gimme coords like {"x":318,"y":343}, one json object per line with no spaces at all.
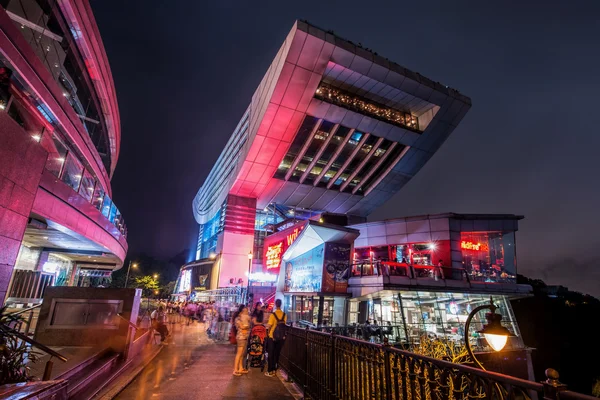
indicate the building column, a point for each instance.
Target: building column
{"x":73,"y":275}
{"x":42,"y":260}
{"x":22,"y":161}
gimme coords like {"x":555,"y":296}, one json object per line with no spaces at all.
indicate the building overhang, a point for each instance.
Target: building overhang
{"x":309,"y":58}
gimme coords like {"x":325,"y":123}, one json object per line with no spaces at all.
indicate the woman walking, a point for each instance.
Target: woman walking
{"x":242,"y":325}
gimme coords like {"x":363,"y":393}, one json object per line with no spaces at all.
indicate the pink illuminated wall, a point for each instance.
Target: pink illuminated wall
{"x":21,"y":163}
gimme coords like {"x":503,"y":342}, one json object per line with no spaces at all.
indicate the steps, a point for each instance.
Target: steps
{"x":87,"y":378}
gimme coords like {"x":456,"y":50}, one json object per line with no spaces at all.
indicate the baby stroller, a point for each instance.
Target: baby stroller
{"x":255,"y":356}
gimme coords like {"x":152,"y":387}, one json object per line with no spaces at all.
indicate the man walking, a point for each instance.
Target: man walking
{"x":277,"y":332}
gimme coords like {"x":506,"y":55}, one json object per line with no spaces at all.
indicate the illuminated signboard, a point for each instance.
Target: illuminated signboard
{"x":186,"y":281}
{"x":262,"y":277}
{"x":275,"y":251}
{"x":291,"y":238}
{"x":474,"y":246}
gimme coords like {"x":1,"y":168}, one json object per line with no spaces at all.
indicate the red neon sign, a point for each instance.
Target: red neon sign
{"x":474,"y":246}
{"x":275,"y":251}
{"x":273,"y":255}
{"x":291,"y":238}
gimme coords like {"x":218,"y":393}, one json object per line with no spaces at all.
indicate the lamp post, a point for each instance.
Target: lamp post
{"x":129,"y":269}
{"x":494,"y":333}
{"x":248,"y":283}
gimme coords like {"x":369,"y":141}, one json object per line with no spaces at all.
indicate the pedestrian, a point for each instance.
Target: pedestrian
{"x":159,"y":318}
{"x":242,"y":325}
{"x":258,"y":315}
{"x":439,"y":270}
{"x":277,"y":333}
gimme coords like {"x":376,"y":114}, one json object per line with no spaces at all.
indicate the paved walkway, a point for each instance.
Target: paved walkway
{"x":192,"y":366}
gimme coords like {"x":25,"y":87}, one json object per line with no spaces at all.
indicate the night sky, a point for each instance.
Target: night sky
{"x":185,"y":72}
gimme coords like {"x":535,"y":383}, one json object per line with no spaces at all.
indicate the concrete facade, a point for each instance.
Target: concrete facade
{"x":60,"y":135}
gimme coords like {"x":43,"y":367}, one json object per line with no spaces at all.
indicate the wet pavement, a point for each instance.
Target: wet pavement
{"x":192,"y":366}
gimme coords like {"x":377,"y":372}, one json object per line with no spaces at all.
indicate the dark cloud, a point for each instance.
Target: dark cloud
{"x":185,"y":71}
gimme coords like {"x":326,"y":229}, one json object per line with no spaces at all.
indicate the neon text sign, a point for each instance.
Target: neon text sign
{"x":291,"y":238}
{"x":474,"y":246}
{"x":273,"y":256}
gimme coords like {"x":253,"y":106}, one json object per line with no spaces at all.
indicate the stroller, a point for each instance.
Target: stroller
{"x":255,"y":356}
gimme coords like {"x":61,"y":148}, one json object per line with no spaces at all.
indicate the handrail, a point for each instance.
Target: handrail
{"x":397,"y":373}
{"x":32,"y":342}
{"x":126,"y":320}
{"x":14,"y":313}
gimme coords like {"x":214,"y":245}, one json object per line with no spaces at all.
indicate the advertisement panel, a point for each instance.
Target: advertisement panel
{"x":336,"y":268}
{"x":276,"y":245}
{"x":305,"y":272}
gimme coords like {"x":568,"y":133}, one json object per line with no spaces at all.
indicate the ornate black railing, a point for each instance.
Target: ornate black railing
{"x":327,"y":366}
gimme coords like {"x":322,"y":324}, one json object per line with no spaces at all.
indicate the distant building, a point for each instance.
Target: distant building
{"x":60,"y":135}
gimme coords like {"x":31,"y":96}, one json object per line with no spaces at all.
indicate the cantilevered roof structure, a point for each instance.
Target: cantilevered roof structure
{"x":332,"y":127}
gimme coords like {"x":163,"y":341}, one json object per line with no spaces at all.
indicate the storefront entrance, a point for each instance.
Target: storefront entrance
{"x":316,"y":310}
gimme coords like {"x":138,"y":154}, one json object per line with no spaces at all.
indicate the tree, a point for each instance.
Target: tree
{"x":147,"y":283}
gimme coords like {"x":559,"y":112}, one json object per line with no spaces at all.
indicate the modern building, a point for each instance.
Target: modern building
{"x":60,"y":137}
{"x":332,"y":127}
{"x":332,"y":132}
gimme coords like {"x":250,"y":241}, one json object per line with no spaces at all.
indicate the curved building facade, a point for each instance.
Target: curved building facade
{"x":60,"y":135}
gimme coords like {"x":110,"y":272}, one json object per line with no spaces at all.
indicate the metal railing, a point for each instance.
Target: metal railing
{"x":28,"y":286}
{"x":414,"y":271}
{"x":327,"y":366}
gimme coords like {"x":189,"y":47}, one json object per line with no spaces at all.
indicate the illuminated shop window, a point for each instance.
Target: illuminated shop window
{"x":368,"y":107}
{"x":489,"y":256}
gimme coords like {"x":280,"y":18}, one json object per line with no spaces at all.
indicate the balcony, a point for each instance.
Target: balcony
{"x":369,"y":277}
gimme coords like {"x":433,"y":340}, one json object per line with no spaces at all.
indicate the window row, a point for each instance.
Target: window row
{"x":23,"y":106}
{"x":330,"y":155}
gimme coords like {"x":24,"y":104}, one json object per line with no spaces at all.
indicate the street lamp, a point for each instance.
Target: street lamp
{"x":248,"y":283}
{"x":494,"y":333}
{"x":128,"y":269}
{"x":155,"y":276}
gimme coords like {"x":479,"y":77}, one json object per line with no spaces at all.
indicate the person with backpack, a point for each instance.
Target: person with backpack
{"x":277,"y":332}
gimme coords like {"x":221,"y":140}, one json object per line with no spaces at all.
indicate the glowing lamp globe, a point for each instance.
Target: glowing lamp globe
{"x":496,"y":342}
{"x":495,"y":334}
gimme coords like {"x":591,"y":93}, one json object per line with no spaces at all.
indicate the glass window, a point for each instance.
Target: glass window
{"x":342,"y":157}
{"x":72,"y":172}
{"x":301,"y":137}
{"x":86,"y":189}
{"x":489,"y":256}
{"x":113,"y":213}
{"x":62,"y":59}
{"x":370,"y":164}
{"x":98,"y":197}
{"x":106,"y":205}
{"x":57,"y":153}
{"x":389,"y":160}
{"x":358,"y":158}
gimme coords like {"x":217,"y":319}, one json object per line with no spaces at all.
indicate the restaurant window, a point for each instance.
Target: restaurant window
{"x":72,"y":172}
{"x":86,"y":189}
{"x":415,"y":317}
{"x":489,"y":256}
{"x":113,"y":213}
